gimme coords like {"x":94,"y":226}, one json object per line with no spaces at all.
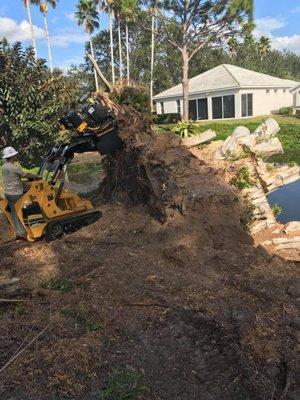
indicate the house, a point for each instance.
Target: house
{"x":296,"y":97}
{"x":228,"y":91}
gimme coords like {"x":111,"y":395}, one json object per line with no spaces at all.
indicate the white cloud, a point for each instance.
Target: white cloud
{"x":296,"y":10}
{"x":14,"y":31}
{"x":64,"y":37}
{"x":268,"y":25}
{"x":291,"y":43}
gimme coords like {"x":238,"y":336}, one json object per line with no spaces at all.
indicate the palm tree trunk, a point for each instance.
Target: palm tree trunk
{"x":49,"y":43}
{"x":127,"y":53}
{"x":111,"y":46}
{"x":120,"y":50}
{"x":27,"y":4}
{"x":152,"y":61}
{"x":95,"y":73}
{"x":185,"y":83}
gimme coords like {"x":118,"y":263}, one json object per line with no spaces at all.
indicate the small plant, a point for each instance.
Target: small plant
{"x":83,"y":317}
{"x":123,"y":385}
{"x":242,"y":180}
{"x":277,"y":209}
{"x":62,"y":284}
{"x":185,"y":129}
{"x":285,"y":111}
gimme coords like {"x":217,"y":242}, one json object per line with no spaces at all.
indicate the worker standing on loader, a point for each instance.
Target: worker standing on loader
{"x":13,"y":187}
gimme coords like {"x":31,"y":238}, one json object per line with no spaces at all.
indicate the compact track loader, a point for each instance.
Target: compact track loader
{"x":47,"y":209}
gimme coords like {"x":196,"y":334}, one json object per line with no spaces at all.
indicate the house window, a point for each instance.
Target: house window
{"x":162,"y":108}
{"x":178,"y":107}
{"x":223,"y":107}
{"x":284,"y":90}
{"x":247,"y":105}
{"x":193,"y":110}
{"x":268,"y":91}
{"x":202,"y":108}
{"x":276,"y":91}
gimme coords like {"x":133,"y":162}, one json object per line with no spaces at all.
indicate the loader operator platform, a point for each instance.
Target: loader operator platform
{"x":13,"y":187}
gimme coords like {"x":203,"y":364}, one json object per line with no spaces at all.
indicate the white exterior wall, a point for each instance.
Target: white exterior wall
{"x":296,"y":98}
{"x":266,"y":103}
{"x":263,"y":103}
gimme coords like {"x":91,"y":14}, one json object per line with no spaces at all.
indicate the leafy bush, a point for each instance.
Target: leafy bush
{"x":185,"y":129}
{"x":285,"y":111}
{"x":242,"y":179}
{"x":31,"y":102}
{"x":297,"y":114}
{"x":167,"y":118}
{"x":136,"y":96}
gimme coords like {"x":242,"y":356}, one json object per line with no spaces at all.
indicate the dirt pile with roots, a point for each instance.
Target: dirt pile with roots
{"x":167,"y":287}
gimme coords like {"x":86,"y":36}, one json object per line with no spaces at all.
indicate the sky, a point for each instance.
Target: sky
{"x":276,"y":19}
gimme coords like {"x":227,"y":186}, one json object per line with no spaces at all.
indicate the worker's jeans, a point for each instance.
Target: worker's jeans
{"x":19,"y":228}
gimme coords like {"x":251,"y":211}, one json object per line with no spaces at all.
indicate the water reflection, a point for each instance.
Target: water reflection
{"x":287,"y":197}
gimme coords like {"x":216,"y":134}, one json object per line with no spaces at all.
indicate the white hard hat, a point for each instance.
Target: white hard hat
{"x":9,"y":152}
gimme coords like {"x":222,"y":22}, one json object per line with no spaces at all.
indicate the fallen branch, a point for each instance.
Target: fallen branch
{"x":99,"y":72}
{"x":13,"y":300}
{"x":24,"y":348}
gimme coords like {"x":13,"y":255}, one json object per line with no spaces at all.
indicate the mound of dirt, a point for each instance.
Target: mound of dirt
{"x":167,"y":285}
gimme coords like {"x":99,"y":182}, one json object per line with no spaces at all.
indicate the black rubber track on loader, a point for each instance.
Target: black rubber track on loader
{"x":55,"y":229}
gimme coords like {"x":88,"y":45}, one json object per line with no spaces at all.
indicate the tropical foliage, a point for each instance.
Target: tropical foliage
{"x":31,"y":101}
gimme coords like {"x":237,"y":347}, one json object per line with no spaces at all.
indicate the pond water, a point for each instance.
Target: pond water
{"x":287,"y":197}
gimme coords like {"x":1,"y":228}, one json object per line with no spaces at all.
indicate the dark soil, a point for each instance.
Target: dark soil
{"x":190,"y":303}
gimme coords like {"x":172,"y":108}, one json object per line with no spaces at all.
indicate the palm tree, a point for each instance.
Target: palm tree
{"x":116,"y":7}
{"x":153,"y":20}
{"x":232,"y":46}
{"x":27,"y":5}
{"x":87,"y":16}
{"x":128,"y":9}
{"x":44,"y":9}
{"x":264,"y":46}
{"x":109,"y":7}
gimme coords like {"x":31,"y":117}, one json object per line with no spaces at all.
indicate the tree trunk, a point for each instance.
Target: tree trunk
{"x":95,"y":73}
{"x":185,"y":84}
{"x":111,"y":46}
{"x":120,"y":50}
{"x":31,"y":28}
{"x":49,"y":43}
{"x":127,"y":54}
{"x":152,"y":62}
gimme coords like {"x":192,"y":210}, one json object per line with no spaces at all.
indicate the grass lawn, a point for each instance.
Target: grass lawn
{"x":289,"y":133}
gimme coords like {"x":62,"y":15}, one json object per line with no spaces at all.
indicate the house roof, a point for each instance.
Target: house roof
{"x":294,"y":89}
{"x":227,"y":76}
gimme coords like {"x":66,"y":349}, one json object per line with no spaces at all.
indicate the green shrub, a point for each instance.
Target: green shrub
{"x":242,"y":179}
{"x":285,"y":111}
{"x":167,"y":118}
{"x":185,"y":129}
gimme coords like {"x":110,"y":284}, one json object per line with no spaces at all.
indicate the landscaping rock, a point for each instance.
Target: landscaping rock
{"x":291,"y":227}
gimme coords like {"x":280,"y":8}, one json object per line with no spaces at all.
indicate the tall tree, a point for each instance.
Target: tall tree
{"x":116,"y":6}
{"x":87,"y":16}
{"x":27,"y":5}
{"x":43,"y":4}
{"x":153,"y":28}
{"x":190,"y":25}
{"x":110,"y":11}
{"x":129,"y":12}
{"x":264,"y":46}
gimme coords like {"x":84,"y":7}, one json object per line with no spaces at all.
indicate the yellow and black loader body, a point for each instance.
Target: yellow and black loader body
{"x":47,"y":209}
